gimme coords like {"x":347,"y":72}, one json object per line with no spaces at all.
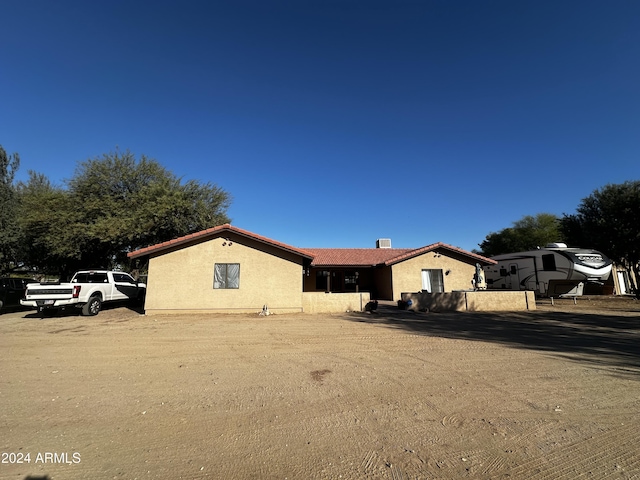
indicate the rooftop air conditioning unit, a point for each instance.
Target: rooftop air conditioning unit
{"x":383,"y":243}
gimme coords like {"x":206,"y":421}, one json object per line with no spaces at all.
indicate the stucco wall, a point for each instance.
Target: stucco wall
{"x":182,"y":280}
{"x":407,"y":275}
{"x":320,"y":302}
{"x":500,"y":301}
{"x":480,"y":301}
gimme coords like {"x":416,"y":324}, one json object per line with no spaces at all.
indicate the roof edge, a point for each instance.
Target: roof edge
{"x":209,"y":232}
{"x":435,"y":246}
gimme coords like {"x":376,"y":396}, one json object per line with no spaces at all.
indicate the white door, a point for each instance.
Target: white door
{"x":426,"y":281}
{"x":623,"y":282}
{"x":432,"y":281}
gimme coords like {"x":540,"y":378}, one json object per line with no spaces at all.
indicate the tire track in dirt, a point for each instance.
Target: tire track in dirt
{"x":488,"y":463}
{"x":317,"y":418}
{"x":236,"y":397}
{"x":471,"y":459}
{"x":613,"y":452}
{"x":369,"y":461}
{"x":494,"y":465}
{"x":396,"y":473}
{"x":322,"y":417}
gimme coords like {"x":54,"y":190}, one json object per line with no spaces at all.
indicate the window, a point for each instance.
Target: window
{"x":432,"y":281}
{"x":549,"y":263}
{"x":122,"y":278}
{"x":91,"y":277}
{"x":351,"y":281}
{"x":226,"y":275}
{"x":321,"y":280}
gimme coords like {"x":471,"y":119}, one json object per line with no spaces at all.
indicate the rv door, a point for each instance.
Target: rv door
{"x":513,"y":277}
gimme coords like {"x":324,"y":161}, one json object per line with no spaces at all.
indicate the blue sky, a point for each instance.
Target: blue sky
{"x":334,"y":123}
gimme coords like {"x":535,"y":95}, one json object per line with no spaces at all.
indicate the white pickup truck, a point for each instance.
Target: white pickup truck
{"x":88,"y":290}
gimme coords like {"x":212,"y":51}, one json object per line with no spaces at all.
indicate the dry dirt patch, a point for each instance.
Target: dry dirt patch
{"x":548,"y":394}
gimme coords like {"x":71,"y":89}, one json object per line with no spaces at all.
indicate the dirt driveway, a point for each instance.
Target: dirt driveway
{"x":550,"y":394}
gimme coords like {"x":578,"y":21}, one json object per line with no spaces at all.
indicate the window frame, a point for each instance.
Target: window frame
{"x":122,"y":277}
{"x":549,"y":263}
{"x":222,"y":279}
{"x":439,"y":280}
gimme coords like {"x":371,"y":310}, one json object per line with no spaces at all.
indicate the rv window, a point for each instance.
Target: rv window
{"x":549,"y":262}
{"x":514,"y":270}
{"x":503,"y":272}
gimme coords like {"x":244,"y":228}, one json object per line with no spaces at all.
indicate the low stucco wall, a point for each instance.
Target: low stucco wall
{"x":195,"y":311}
{"x":500,"y":301}
{"x":321,"y":302}
{"x":476,"y":301}
{"x":312,"y":302}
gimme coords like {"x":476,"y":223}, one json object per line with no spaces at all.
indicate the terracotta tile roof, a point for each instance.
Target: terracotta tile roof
{"x":361,"y":257}
{"x":214,"y":231}
{"x":436,"y":246}
{"x":321,"y":257}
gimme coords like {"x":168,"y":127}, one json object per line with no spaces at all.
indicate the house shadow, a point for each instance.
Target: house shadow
{"x":599,"y":339}
{"x":14,"y":309}
{"x":77,"y":312}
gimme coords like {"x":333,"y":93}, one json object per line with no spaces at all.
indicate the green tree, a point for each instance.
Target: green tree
{"x":526,"y":234}
{"x":112,"y":205}
{"x":9,"y":232}
{"x":609,"y":220}
{"x":45,"y":220}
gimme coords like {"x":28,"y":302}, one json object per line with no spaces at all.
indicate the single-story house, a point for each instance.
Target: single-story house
{"x":388,"y":272}
{"x":227,"y":269}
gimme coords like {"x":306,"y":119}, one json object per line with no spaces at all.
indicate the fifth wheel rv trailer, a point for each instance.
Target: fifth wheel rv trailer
{"x":555,"y":270}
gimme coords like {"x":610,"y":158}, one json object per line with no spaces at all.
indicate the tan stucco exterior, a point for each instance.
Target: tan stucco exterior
{"x":181,"y":279}
{"x":389,"y":281}
{"x":320,"y":302}
{"x":457,"y":272}
{"x":287,"y":279}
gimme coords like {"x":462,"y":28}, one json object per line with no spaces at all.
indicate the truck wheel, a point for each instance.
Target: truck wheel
{"x":92,"y":307}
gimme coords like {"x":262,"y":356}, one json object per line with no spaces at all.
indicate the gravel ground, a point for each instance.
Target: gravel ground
{"x":548,"y":394}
